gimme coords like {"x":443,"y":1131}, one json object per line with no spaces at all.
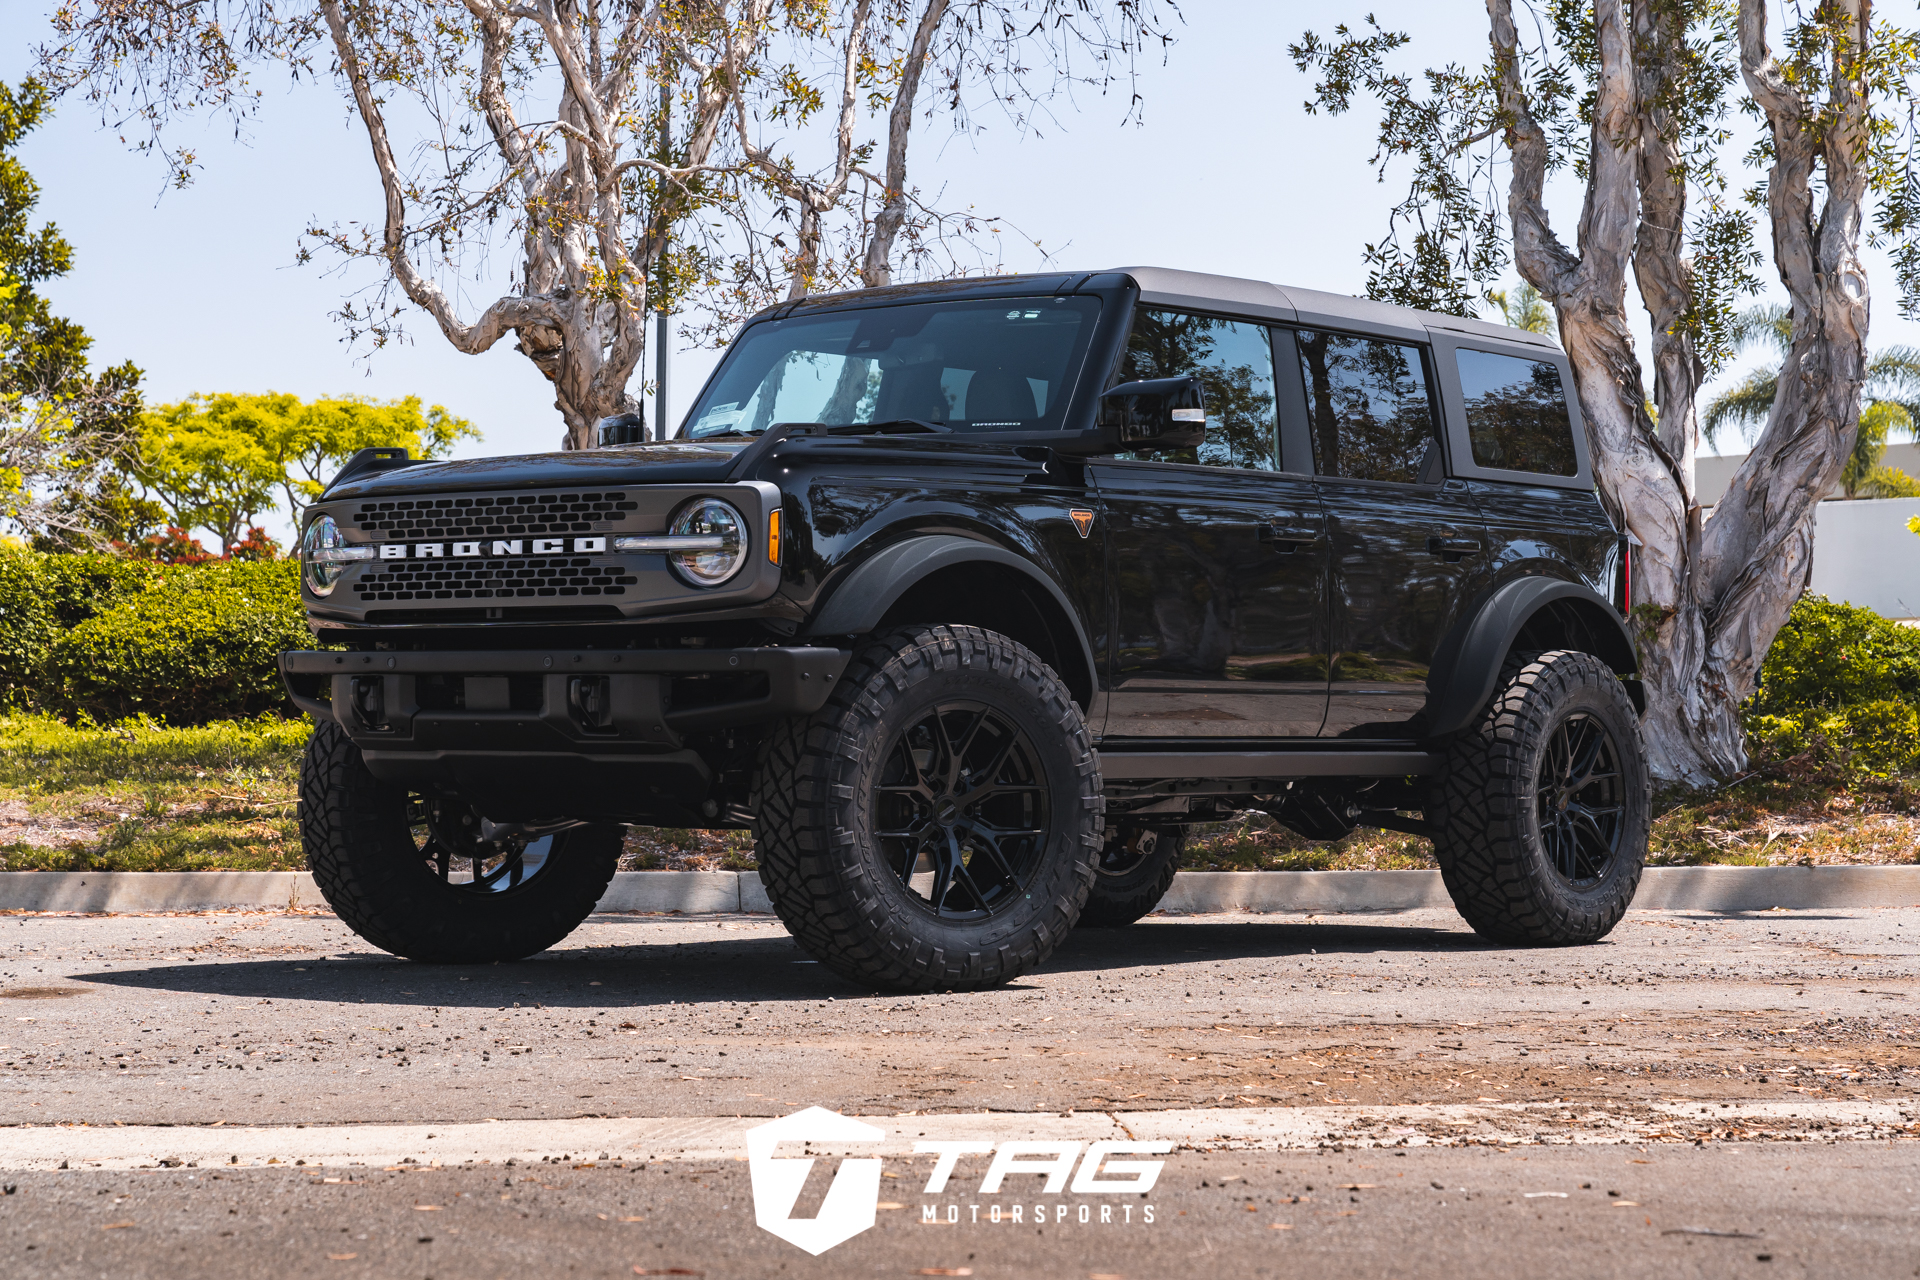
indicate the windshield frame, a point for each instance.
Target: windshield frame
{"x":1090,"y":347}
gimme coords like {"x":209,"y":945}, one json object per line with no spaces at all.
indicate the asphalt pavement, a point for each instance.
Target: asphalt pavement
{"x":1365,"y":1095}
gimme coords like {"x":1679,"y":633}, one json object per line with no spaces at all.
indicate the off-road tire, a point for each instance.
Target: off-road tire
{"x":1484,"y":808}
{"x":1118,"y":899}
{"x":814,"y":804}
{"x":364,"y":860}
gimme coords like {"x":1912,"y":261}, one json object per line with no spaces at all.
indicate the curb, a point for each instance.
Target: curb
{"x":1193,"y":892}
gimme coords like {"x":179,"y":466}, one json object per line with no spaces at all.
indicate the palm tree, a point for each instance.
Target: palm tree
{"x":1890,"y":402}
{"x":1524,"y":308}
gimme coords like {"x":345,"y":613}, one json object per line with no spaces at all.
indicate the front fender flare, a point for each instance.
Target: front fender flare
{"x":870,"y":588}
{"x":1468,"y":664}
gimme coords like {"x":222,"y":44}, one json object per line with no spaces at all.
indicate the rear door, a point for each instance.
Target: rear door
{"x":1407,"y":547}
{"x":1217,"y":561}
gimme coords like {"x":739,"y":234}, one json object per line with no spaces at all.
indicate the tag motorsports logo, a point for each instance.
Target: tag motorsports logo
{"x":853,"y":1199}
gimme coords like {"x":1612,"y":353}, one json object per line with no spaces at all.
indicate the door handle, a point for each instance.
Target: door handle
{"x":1453,"y":547}
{"x":1285,"y":539}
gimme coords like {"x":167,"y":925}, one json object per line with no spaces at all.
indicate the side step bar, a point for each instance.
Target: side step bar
{"x":1144,"y":766}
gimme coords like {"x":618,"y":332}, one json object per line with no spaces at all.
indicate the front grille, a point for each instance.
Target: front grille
{"x":504,"y":515}
{"x":492,"y":579}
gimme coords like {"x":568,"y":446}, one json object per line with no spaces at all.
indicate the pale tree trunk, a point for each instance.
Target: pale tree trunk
{"x":1659,"y":257}
{"x":580,"y":315}
{"x":1709,"y":597}
{"x":1757,"y":550}
{"x":877,"y":267}
{"x":1588,"y":292}
{"x":1672,"y":630}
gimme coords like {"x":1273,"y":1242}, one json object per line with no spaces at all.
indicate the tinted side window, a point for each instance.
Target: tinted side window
{"x":1235,"y":361}
{"x":1367,"y":406}
{"x":1517,"y":414}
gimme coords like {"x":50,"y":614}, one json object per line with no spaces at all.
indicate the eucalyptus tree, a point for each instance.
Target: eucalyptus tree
{"x":1632,"y":100}
{"x":1012,"y":56}
{"x":544,"y":125}
{"x":1889,"y":403}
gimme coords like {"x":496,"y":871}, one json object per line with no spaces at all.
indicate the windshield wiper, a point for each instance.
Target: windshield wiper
{"x":891,"y":427}
{"x":728,"y":435}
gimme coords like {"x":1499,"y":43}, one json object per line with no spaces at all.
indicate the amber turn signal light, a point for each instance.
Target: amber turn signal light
{"x":773,"y":535}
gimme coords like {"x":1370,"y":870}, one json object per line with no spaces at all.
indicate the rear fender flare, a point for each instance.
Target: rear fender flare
{"x":857,"y":605}
{"x":1468,"y":664}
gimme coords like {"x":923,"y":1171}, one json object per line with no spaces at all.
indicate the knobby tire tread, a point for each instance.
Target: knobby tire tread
{"x":354,"y":830}
{"x":1481,"y":827}
{"x":819,"y":886}
{"x":1112,"y":904}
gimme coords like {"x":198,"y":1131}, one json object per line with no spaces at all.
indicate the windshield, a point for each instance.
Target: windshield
{"x":1001,"y":365}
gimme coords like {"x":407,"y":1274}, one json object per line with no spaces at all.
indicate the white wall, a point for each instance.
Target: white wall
{"x":1863,"y":554}
{"x":1714,"y":472}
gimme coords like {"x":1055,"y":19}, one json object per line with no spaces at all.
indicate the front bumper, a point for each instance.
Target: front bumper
{"x":540,"y":732}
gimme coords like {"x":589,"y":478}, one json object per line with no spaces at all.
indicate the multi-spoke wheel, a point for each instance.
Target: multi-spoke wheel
{"x":1579,"y":805}
{"x":472,"y":855}
{"x":1540,"y":816}
{"x":936,"y":825}
{"x":432,"y":879}
{"x":961,"y":810}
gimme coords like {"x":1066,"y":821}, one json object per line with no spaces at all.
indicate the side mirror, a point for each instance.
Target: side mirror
{"x":621,"y":428}
{"x":1164,"y":413}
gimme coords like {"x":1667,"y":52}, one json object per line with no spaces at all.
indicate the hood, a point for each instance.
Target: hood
{"x":669,"y":462}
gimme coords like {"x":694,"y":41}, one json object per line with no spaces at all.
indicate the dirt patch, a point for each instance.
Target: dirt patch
{"x":46,"y":831}
{"x":1791,"y":812}
{"x":683,"y":849}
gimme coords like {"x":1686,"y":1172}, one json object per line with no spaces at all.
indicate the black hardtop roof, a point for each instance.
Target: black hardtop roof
{"x":1194,"y":290}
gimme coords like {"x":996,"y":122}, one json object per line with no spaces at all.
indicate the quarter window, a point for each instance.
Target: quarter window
{"x":1233,"y":359}
{"x":1367,"y":406}
{"x":1517,"y":416}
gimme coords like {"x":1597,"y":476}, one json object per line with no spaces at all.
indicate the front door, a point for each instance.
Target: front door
{"x":1408,"y":548}
{"x":1217,"y":561}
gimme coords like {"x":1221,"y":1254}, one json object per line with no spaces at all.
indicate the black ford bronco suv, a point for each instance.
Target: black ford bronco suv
{"x":969,"y":598}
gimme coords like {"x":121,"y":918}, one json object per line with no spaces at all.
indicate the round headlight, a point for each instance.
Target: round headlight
{"x":723,"y":546}
{"x":319,"y":550}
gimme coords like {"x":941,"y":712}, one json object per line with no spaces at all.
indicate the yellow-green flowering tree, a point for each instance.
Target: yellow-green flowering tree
{"x":218,"y":461}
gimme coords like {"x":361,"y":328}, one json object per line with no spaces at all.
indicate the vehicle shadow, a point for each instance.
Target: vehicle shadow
{"x":646,"y":974}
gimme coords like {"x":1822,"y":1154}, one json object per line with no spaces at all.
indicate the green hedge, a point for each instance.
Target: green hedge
{"x":42,"y":597}
{"x":104,"y":638}
{"x":1843,"y":683}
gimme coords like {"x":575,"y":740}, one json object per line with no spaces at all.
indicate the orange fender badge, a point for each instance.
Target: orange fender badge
{"x":1082,"y":520}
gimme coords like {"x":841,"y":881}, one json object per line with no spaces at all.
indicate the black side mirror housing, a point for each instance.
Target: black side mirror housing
{"x":1147,"y":417}
{"x":621,"y":428}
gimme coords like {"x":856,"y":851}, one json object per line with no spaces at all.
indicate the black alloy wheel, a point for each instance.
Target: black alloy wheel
{"x":448,"y":835}
{"x":412,"y":875}
{"x":961,"y":810}
{"x":1579,"y":800}
{"x":1137,"y":866}
{"x":1541,"y":810}
{"x":936,"y":825}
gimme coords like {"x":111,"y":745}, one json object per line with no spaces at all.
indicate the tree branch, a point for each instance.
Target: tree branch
{"x":877,"y":269}
{"x":504,"y":315}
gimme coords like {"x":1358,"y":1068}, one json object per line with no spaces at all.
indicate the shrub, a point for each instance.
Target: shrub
{"x":42,"y":596}
{"x":199,"y":644}
{"x":1836,"y":655}
{"x":1841,"y":684}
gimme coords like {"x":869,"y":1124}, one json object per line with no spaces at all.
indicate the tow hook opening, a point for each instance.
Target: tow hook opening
{"x":370,"y":702}
{"x":591,"y":700}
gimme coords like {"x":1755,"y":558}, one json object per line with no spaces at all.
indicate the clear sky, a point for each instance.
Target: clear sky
{"x":1226,"y":174}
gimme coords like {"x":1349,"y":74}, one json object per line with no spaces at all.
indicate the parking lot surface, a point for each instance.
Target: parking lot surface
{"x":1366,"y":1095}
